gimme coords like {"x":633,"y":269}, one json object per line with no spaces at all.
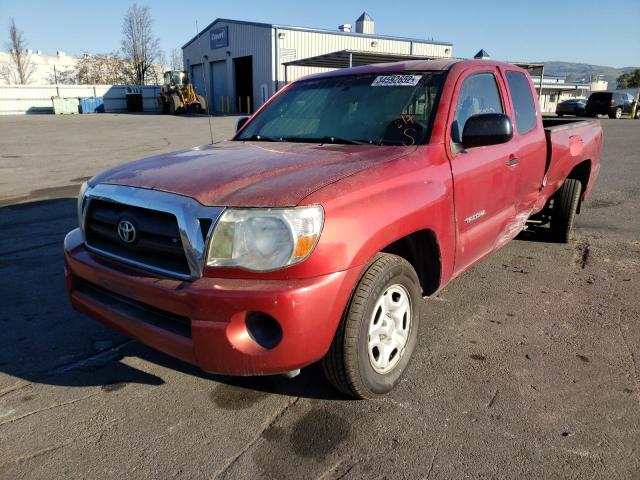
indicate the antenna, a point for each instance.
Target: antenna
{"x":204,"y":83}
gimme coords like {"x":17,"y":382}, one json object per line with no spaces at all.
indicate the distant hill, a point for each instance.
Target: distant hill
{"x":584,"y":71}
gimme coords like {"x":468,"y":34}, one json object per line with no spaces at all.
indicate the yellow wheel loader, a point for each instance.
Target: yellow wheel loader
{"x":177,"y":95}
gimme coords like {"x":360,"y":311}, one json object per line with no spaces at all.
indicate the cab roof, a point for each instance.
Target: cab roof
{"x":409,"y":66}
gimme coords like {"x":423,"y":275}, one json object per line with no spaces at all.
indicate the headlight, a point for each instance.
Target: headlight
{"x":81,"y":195}
{"x":264,"y":239}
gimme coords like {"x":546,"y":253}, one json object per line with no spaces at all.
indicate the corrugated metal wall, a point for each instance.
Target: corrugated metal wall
{"x":244,"y":40}
{"x":298,"y":44}
{"x":259,"y":41}
{"x":17,"y":99}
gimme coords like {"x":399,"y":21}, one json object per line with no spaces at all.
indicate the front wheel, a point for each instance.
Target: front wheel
{"x":379,"y":330}
{"x":617,"y":114}
{"x":175,"y":105}
{"x":565,"y":205}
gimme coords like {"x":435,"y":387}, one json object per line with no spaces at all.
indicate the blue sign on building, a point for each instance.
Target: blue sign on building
{"x":219,"y":37}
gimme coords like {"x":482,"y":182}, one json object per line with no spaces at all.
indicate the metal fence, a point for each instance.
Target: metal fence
{"x":20,"y":99}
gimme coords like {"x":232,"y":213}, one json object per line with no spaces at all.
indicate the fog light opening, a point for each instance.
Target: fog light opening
{"x":263,"y":329}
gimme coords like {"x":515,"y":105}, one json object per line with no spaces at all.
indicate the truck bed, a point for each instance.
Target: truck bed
{"x":557,"y":123}
{"x":570,"y":142}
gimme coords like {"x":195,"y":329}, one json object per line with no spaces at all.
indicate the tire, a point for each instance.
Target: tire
{"x":175,"y":105}
{"x":617,"y":113}
{"x":565,"y":205}
{"x":349,"y":363}
{"x":560,"y":114}
{"x":203,"y":103}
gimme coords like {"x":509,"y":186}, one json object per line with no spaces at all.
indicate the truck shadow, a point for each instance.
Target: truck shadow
{"x":45,"y":341}
{"x":535,"y":234}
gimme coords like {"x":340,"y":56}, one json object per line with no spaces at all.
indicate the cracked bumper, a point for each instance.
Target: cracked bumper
{"x":212,"y":312}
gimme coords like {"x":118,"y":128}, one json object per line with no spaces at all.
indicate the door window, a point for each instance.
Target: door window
{"x":523,"y":103}
{"x":479,"y":94}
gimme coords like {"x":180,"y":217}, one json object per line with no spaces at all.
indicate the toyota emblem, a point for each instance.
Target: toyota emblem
{"x":127,"y":231}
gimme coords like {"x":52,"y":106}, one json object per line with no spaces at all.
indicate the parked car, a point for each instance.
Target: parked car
{"x":314,"y":233}
{"x":613,"y":104}
{"x":573,"y":106}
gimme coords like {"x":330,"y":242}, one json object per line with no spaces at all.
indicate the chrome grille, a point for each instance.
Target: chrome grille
{"x":157,"y":241}
{"x":170,"y":231}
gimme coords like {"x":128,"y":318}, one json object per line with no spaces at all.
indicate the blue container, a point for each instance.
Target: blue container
{"x":91,"y":105}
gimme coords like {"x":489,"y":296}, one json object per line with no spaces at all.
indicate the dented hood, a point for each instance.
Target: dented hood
{"x":250,"y":174}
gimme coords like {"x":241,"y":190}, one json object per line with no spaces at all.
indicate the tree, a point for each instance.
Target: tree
{"x":629,"y":80}
{"x":102,"y":69}
{"x":176,"y":59}
{"x":140,"y":47}
{"x":63,"y":76}
{"x":19,"y":68}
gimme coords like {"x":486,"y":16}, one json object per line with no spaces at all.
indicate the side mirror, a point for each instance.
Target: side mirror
{"x":240,"y":123}
{"x":487,"y":129}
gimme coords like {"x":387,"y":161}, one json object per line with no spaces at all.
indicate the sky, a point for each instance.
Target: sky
{"x":586,"y":31}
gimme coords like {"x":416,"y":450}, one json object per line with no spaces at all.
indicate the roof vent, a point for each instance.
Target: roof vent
{"x":364,"y":24}
{"x":482,"y":55}
{"x":345,"y":27}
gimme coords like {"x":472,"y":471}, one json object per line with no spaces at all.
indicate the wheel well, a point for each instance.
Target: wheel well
{"x":581,"y":173}
{"x":421,"y":250}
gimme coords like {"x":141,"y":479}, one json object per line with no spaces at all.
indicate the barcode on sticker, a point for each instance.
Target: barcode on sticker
{"x":396,"y":81}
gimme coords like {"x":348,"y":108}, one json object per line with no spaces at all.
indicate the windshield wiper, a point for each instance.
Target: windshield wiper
{"x":346,"y":141}
{"x":262,"y":138}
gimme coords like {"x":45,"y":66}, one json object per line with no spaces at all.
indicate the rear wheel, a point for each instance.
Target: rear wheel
{"x":203,"y":103}
{"x":565,"y":205}
{"x":378,"y":333}
{"x":617,"y":113}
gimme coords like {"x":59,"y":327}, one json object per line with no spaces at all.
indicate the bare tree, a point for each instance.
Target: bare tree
{"x":19,"y":67}
{"x":139,"y":46}
{"x":176,"y":59}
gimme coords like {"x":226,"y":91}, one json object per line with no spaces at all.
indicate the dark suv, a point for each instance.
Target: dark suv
{"x":613,"y":104}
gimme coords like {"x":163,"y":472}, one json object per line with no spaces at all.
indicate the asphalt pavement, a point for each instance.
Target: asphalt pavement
{"x":528,"y":365}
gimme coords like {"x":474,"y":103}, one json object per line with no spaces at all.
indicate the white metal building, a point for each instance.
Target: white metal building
{"x":238,"y":65}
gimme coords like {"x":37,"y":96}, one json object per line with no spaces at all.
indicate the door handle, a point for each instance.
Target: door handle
{"x":513,"y":161}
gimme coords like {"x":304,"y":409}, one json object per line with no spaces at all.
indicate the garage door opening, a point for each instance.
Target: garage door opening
{"x":244,"y":83}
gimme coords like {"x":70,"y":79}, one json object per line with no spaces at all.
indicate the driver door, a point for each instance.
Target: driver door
{"x":483,"y":178}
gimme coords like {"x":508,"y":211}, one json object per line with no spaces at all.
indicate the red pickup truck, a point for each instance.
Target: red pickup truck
{"x":314,"y":233}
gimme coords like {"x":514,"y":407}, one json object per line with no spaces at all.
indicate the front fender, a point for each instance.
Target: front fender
{"x":368,"y":211}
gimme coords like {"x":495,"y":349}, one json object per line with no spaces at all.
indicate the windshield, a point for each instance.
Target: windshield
{"x":380,"y":109}
{"x":174,"y":77}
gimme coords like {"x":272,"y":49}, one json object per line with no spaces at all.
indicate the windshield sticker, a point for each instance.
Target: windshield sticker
{"x":396,"y":81}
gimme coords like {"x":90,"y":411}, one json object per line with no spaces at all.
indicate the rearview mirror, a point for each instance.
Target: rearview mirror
{"x":487,"y":129}
{"x":240,"y":123}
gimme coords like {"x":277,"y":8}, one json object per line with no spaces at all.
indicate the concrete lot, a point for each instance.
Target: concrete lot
{"x":528,"y":365}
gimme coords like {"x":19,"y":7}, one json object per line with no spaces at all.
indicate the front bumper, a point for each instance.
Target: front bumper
{"x":213,"y":312}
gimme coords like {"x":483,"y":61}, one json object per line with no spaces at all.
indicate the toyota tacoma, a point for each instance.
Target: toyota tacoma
{"x":315,"y":232}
